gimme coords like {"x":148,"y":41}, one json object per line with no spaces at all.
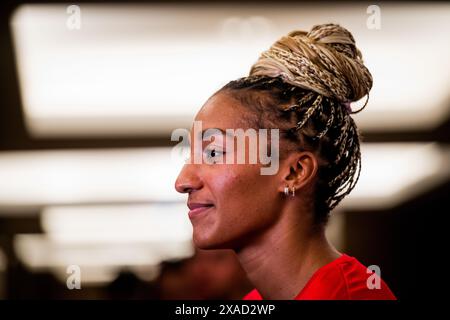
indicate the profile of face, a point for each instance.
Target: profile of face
{"x":238,"y":202}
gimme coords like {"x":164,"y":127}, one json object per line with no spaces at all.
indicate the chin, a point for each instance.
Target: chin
{"x":205,"y":243}
{"x":211,"y":243}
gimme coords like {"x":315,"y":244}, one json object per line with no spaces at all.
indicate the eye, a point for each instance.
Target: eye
{"x":212,"y":154}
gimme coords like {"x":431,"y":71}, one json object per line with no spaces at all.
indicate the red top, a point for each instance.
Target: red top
{"x":342,"y":279}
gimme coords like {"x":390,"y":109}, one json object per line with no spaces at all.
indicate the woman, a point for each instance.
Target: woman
{"x":303,"y":86}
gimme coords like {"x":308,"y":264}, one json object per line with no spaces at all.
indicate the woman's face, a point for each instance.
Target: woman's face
{"x":240,"y":201}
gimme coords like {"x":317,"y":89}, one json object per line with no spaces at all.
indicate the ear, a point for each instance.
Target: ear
{"x":299,"y":170}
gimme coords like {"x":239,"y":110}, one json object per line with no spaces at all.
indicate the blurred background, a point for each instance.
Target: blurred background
{"x":90,"y":93}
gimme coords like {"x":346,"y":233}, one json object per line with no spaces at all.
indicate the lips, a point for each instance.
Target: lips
{"x":197,"y":208}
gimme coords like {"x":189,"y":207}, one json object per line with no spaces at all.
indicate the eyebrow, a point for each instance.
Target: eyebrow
{"x":211,"y":133}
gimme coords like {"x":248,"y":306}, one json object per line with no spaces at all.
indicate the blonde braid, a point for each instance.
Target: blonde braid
{"x":324,"y":60}
{"x":309,"y":112}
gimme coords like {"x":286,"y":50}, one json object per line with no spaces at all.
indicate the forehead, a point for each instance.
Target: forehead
{"x":223,"y":111}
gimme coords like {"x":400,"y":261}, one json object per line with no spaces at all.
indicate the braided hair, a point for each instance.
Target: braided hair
{"x":303,"y":85}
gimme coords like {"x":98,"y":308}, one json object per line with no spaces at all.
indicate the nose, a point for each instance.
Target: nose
{"x":188,"y":179}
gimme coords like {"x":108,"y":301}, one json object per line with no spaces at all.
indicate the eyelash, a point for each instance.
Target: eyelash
{"x":209,"y":157}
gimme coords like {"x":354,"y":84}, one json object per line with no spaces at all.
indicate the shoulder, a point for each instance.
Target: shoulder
{"x":345,"y":279}
{"x":252,"y":295}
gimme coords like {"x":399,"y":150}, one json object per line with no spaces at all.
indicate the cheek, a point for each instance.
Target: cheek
{"x":235,"y":185}
{"x":244,"y":195}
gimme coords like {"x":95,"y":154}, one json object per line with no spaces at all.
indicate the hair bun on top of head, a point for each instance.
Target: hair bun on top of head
{"x":324,"y":60}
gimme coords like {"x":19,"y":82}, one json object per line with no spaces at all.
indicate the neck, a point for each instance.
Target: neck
{"x":280,"y":261}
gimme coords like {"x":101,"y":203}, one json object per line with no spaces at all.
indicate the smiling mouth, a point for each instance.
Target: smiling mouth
{"x":198,"y":209}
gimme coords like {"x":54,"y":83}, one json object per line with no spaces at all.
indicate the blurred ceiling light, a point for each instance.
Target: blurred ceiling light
{"x":391,"y":173}
{"x":90,"y":275}
{"x":102,"y":275}
{"x":39,"y":178}
{"x":40,"y":252}
{"x":118,"y":223}
{"x":139,"y":70}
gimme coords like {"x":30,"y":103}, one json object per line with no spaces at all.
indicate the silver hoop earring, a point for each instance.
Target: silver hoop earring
{"x":286,"y":191}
